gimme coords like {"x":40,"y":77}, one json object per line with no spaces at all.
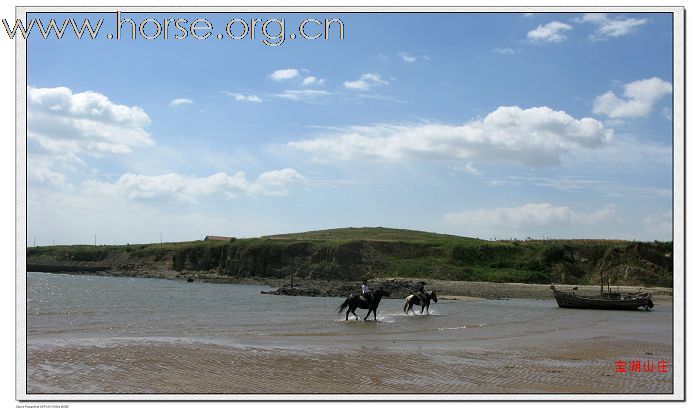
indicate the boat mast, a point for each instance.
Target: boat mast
{"x":602,"y":268}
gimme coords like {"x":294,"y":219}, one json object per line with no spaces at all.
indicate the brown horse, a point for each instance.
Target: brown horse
{"x":356,"y":301}
{"x":415,"y":299}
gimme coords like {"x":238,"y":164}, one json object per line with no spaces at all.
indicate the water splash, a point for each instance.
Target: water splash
{"x":386,"y":318}
{"x":452,"y":328}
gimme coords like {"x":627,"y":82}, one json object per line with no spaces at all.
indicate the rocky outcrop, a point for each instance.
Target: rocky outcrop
{"x":393,"y":288}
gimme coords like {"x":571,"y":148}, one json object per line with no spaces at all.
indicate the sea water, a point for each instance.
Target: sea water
{"x":73,"y":315}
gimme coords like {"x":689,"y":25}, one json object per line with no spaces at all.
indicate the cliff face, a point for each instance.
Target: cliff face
{"x":278,"y":260}
{"x":630,"y":264}
{"x":422,"y":256}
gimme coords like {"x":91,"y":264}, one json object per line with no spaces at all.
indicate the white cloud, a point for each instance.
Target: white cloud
{"x":366,"y":82}
{"x":284,"y":74}
{"x":534,"y":137}
{"x":189,"y":189}
{"x":307,"y":95}
{"x":312,"y":80}
{"x":407,"y":57}
{"x":67,"y":124}
{"x":552,"y":32}
{"x":181,"y":101}
{"x":239,"y":97}
{"x":504,"y":50}
{"x":468,"y":168}
{"x":606,"y":27}
{"x":640,"y":98}
{"x":528,"y":215}
{"x":596,"y":18}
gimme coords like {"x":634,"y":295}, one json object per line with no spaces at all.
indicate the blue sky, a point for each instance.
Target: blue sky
{"x":486,"y":125}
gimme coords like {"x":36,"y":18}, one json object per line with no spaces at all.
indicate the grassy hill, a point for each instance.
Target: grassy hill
{"x":352,"y":253}
{"x":370,"y":234}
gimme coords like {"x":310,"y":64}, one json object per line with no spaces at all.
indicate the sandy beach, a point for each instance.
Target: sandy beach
{"x":566,"y":366}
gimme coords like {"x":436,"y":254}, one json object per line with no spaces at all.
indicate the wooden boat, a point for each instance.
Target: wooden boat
{"x":610,"y":301}
{"x":605,"y":301}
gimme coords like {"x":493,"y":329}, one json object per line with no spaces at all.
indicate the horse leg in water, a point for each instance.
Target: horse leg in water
{"x":370,"y":312}
{"x":427,"y":308}
{"x":351,"y":310}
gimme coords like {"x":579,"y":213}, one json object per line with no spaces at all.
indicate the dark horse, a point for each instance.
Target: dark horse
{"x":356,"y":301}
{"x":415,"y":299}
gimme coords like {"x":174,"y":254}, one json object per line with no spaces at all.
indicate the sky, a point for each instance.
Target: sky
{"x":489,"y":125}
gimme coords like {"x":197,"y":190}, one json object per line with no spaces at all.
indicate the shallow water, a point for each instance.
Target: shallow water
{"x":147,"y":335}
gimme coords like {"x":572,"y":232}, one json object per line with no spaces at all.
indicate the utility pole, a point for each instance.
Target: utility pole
{"x":35,"y":241}
{"x":161,"y":238}
{"x":95,"y":239}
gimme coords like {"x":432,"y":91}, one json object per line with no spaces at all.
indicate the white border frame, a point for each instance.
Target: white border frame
{"x":679,"y":385}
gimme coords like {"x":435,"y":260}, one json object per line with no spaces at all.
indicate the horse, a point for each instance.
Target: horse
{"x":356,"y":301}
{"x":415,"y":299}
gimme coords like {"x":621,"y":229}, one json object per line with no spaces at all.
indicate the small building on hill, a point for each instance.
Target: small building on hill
{"x":217,"y":238}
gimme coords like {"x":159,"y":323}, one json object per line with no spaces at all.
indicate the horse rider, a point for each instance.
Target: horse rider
{"x":366,"y":293}
{"x":421,"y":292}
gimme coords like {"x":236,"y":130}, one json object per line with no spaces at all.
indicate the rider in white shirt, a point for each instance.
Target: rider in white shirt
{"x":365,"y":291}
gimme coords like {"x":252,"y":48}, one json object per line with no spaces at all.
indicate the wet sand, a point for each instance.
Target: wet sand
{"x":579,"y":367}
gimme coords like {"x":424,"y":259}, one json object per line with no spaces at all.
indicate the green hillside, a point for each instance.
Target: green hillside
{"x":370,"y":234}
{"x":353,"y":253}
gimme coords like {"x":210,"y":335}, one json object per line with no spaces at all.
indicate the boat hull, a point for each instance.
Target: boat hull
{"x":567,"y":300}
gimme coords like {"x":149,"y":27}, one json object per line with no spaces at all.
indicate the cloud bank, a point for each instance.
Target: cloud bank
{"x":534,"y":137}
{"x":188,"y":189}
{"x":68,"y":124}
{"x":639,"y":98}
{"x":607,"y":27}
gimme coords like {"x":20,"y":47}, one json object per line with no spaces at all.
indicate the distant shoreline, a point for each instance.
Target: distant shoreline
{"x":446,"y":289}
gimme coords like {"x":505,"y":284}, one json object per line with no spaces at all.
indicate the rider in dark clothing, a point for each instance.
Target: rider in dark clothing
{"x":421,"y":292}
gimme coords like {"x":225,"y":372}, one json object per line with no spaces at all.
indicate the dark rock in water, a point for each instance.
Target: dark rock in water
{"x":309,"y":292}
{"x":396,"y":289}
{"x":190,"y":280}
